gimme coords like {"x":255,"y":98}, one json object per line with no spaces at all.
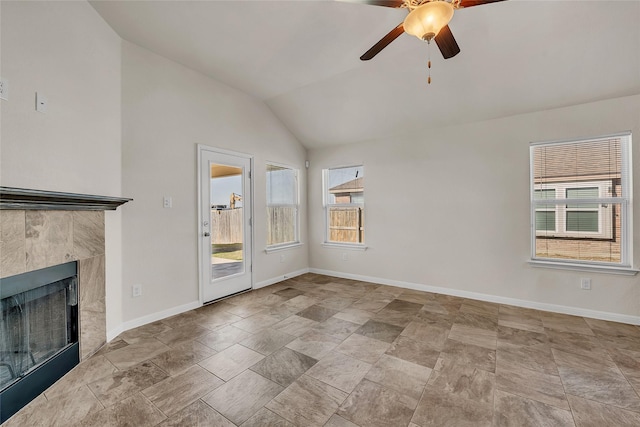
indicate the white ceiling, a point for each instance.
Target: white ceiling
{"x":302,"y":59}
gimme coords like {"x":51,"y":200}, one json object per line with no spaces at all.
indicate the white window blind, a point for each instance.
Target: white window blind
{"x":282,"y":205}
{"x":580,"y":200}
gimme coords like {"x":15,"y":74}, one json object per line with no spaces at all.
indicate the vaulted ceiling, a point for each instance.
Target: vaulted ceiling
{"x":302,"y":59}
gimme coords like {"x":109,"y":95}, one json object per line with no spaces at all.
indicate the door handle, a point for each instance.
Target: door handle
{"x":206,"y":234}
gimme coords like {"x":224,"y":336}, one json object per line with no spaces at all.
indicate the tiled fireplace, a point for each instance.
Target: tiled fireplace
{"x":39,"y":230}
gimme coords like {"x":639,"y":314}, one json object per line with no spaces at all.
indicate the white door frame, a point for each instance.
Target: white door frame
{"x":201,"y":276}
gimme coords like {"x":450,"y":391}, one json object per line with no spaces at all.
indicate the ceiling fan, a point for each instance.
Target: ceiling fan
{"x":427,"y":19}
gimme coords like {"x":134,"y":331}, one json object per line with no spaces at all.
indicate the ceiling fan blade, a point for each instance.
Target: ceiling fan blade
{"x":393,"y":34}
{"x":447,"y":43}
{"x":385,"y":3}
{"x":470,"y":3}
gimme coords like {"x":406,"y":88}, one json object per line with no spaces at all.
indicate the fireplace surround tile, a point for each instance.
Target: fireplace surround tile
{"x":12,"y":243}
{"x":49,"y":238}
{"x":93,"y":327}
{"x":88,"y":234}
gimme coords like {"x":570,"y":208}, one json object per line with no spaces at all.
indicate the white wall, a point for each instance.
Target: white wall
{"x":450,"y":208}
{"x":167,"y":110}
{"x":65,"y":51}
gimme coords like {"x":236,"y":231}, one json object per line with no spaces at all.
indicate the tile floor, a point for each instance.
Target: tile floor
{"x":322,"y":351}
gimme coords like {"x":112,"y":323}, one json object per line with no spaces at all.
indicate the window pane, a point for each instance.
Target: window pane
{"x":583,"y":193}
{"x":346,"y":225}
{"x":544,"y":195}
{"x":596,"y":168}
{"x":281,"y":186}
{"x":282,"y":205}
{"x":546,"y":221}
{"x":582,"y":221}
{"x":345,"y":185}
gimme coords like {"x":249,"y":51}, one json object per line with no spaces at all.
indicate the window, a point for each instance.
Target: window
{"x":282,"y":206}
{"x":580,"y":201}
{"x":344,"y":205}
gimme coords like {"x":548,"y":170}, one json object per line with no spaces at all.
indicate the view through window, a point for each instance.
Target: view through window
{"x":344,"y":204}
{"x":580,"y":200}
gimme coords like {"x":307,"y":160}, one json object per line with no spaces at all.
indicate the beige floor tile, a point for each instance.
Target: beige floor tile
{"x":521,"y":337}
{"x":566,"y":323}
{"x":256,"y":323}
{"x":176,"y":393}
{"x":284,"y":366}
{"x":339,"y":371}
{"x":396,"y":374}
{"x":337,"y":328}
{"x":314,"y":344}
{"x":121,"y":384}
{"x":242,"y":396}
{"x":231,"y":361}
{"x":220,"y":319}
{"x":133,"y":354}
{"x":414,"y":351}
{"x":338,"y":421}
{"x":182,"y":357}
{"x":149,"y":330}
{"x":392,"y":317}
{"x":264,"y":418}
{"x":613,"y":329}
{"x":132,"y":411}
{"x":516,"y":411}
{"x":198,"y":414}
{"x":182,"y":334}
{"x":355,"y":315}
{"x":373,"y":405}
{"x":317,"y":313}
{"x":470,"y":335}
{"x":267,"y":341}
{"x":307,"y":402}
{"x":472,"y":355}
{"x":537,"y":358}
{"x":587,"y":413}
{"x":404,"y":306}
{"x":370,"y":304}
{"x":531,"y":384}
{"x":477,"y":321}
{"x":301,"y":302}
{"x":295,"y":325}
{"x":435,"y":336}
{"x":462,"y":380}
{"x":224,"y":337}
{"x":363,"y":348}
{"x":380,"y":331}
{"x":443,"y":409}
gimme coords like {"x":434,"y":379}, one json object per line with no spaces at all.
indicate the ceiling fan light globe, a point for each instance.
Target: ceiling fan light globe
{"x":426,"y":21}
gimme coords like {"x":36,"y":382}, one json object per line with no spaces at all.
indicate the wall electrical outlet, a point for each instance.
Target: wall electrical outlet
{"x":4,"y":89}
{"x":167,"y":202}
{"x":41,"y":103}
{"x":136,"y":290}
{"x":585,"y":284}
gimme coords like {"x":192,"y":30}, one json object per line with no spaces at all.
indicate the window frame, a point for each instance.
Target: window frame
{"x":327,"y":207}
{"x":296,"y":222}
{"x":625,"y":266}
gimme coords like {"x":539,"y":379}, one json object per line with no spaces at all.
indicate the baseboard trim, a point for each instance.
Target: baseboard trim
{"x":277,"y":279}
{"x":153,"y":317}
{"x":555,"y":308}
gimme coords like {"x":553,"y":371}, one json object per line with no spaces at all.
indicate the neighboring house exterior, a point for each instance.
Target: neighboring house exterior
{"x":349,"y":192}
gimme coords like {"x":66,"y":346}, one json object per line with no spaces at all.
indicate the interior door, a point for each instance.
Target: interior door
{"x":225,"y":224}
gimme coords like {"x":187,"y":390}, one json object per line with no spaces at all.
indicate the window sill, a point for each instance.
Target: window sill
{"x":270,"y":249}
{"x":624,"y":271}
{"x":351,"y":246}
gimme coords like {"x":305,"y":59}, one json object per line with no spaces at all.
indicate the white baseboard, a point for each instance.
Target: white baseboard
{"x":555,"y":308}
{"x":277,"y":279}
{"x":149,"y":318}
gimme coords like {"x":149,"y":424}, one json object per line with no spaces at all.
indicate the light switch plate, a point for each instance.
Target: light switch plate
{"x":4,"y":89}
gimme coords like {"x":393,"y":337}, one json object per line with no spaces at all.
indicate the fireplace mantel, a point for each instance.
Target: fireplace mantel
{"x":26,"y":199}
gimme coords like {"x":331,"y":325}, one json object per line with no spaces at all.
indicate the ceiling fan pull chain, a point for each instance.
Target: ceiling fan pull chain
{"x":429,"y":60}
